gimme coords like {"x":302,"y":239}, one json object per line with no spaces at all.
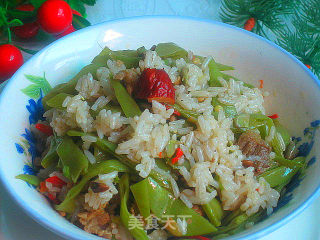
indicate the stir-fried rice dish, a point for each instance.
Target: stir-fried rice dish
{"x":160,"y":144}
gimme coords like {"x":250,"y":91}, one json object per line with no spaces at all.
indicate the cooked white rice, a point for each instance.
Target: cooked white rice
{"x":106,"y":122}
{"x":97,"y":200}
{"x":158,"y":234}
{"x":88,"y":87}
{"x":90,"y":156}
{"x":209,"y":147}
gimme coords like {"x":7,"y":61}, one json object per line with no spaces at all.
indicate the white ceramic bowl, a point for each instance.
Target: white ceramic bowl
{"x":294,"y":96}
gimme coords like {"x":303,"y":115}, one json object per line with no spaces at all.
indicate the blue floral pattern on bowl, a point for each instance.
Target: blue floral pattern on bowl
{"x":304,"y":150}
{"x":27,"y":144}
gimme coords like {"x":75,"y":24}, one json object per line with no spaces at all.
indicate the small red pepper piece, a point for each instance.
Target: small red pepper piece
{"x":47,"y":130}
{"x":160,"y":154}
{"x":56,"y":181}
{"x":174,"y":112}
{"x":198,"y":237}
{"x":178,"y":155}
{"x":274,"y":116}
{"x":43,"y":187}
{"x":250,"y":23}
{"x":261,"y":83}
{"x":53,"y":198}
{"x":308,"y":66}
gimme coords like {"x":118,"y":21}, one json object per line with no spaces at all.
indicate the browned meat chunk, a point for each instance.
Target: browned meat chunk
{"x":256,"y":150}
{"x":97,"y":187}
{"x":130,"y":77}
{"x":96,"y":222}
{"x":251,"y":144}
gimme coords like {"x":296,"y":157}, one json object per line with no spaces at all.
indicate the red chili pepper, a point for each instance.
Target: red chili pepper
{"x":261,"y":83}
{"x":44,"y":129}
{"x":198,"y":237}
{"x":274,"y":116}
{"x":174,"y":112}
{"x":250,"y":23}
{"x":53,"y":198}
{"x":308,"y":66}
{"x":43,"y":187}
{"x":160,"y":154}
{"x":155,"y":84}
{"x":56,"y":181}
{"x":179,"y":154}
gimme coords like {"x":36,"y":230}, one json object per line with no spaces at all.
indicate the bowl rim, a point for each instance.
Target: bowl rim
{"x":56,"y":229}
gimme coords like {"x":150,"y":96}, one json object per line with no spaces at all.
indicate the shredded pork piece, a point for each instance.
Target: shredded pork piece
{"x":96,"y":222}
{"x":256,"y":150}
{"x":98,"y":187}
{"x":130,"y":77}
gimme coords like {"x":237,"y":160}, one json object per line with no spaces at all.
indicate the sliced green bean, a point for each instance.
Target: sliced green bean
{"x":94,"y":170}
{"x":234,"y":224}
{"x":31,"y":179}
{"x":130,"y":58}
{"x":161,"y":202}
{"x":72,"y":158}
{"x":102,"y":57}
{"x":113,"y":109}
{"x":141,"y":51}
{"x":127,"y":103}
{"x":171,"y":148}
{"x":69,"y":87}
{"x":57,"y":100}
{"x":291,"y":150}
{"x":244,"y":122}
{"x":214,"y":73}
{"x":281,"y":174}
{"x":140,"y":192}
{"x":288,"y":163}
{"x":52,"y":156}
{"x":227,"y":77}
{"x":229,"y":110}
{"x":189,"y":115}
{"x":170,"y":50}
{"x":109,"y":148}
{"x":228,"y":218}
{"x":283,"y":132}
{"x":238,"y":224}
{"x":214,"y":211}
{"x":222,"y":67}
{"x":125,"y":216}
